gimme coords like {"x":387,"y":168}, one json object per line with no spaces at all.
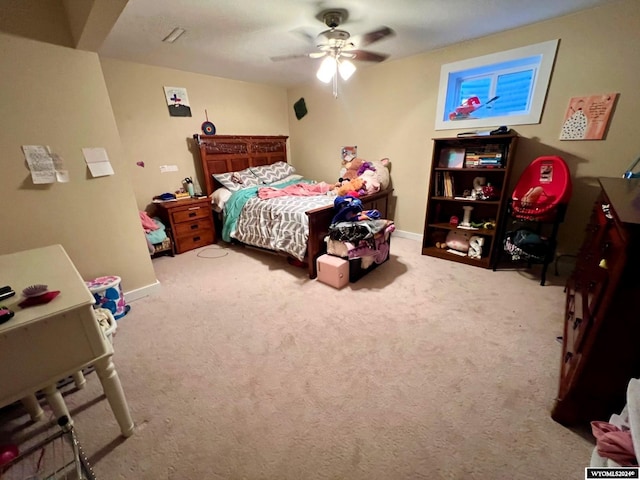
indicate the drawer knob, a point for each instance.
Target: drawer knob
{"x":194,"y":226}
{"x":567,"y":356}
{"x":192,"y":214}
{"x":196,"y":239}
{"x":577,"y":322}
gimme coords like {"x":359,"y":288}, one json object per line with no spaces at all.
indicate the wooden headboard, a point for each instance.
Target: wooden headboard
{"x":230,"y":153}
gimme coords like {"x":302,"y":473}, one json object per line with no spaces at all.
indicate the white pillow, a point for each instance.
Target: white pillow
{"x":219,"y":198}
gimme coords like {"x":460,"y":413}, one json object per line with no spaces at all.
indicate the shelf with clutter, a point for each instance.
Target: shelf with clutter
{"x":466,"y":200}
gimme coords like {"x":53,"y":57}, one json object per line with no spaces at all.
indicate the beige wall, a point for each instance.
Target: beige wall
{"x":57,"y":96}
{"x":150,"y":135}
{"x":388,"y":110}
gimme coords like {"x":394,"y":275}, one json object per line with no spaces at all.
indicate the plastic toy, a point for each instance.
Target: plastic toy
{"x":467,"y":107}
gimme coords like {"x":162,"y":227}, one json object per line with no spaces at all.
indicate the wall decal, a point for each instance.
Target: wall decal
{"x":300,"y":108}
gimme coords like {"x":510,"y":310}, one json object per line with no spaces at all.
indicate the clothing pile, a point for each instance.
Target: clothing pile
{"x":618,"y":440}
{"x":154,"y":230}
{"x":357,"y":233}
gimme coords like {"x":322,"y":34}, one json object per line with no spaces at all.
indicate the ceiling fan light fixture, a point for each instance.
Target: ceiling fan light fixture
{"x":346,"y":69}
{"x":327,"y":69}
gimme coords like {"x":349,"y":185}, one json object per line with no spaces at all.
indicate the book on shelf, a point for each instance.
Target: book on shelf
{"x":475,"y":159}
{"x":448,"y":184}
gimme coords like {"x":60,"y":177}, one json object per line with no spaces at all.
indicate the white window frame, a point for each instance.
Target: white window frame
{"x":450,"y":73}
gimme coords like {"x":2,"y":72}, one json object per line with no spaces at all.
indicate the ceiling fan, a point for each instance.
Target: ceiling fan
{"x":338,"y":48}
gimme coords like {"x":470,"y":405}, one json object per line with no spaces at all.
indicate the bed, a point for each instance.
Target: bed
{"x":225,"y":154}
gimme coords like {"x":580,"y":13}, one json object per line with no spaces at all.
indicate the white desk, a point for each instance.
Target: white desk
{"x":43,"y":344}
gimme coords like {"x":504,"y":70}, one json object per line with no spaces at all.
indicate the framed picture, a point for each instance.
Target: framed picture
{"x":451,"y":158}
{"x":505,"y":88}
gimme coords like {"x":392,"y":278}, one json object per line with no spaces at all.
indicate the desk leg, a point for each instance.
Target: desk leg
{"x":56,"y":402}
{"x":31,"y":405}
{"x":115,"y":395}
{"x":79,"y":380}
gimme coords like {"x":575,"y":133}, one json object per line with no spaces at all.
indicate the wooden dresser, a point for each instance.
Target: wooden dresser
{"x":190,"y":222}
{"x":601,"y":340}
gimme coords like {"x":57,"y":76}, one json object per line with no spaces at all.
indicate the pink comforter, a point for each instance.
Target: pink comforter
{"x":297,"y":189}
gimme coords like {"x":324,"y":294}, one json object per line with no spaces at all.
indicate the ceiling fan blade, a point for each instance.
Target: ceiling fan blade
{"x":366,"y":56}
{"x":374,"y":36}
{"x":317,"y":54}
{"x":279,"y":58}
{"x":304,"y":34}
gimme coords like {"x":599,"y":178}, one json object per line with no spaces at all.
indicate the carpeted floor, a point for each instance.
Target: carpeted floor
{"x":243,"y":368}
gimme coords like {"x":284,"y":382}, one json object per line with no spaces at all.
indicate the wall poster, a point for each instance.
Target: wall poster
{"x":587,"y":118}
{"x":177,"y":101}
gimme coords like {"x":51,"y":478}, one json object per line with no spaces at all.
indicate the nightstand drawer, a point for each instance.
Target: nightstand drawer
{"x":192,"y":241}
{"x":192,"y":228}
{"x":190,"y":222}
{"x":190,"y":213}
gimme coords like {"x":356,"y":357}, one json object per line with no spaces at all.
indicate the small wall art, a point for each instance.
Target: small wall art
{"x":587,"y":117}
{"x":177,"y":101}
{"x":348,"y":153}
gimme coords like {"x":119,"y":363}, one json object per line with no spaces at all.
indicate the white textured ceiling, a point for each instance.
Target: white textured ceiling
{"x":237,"y":38}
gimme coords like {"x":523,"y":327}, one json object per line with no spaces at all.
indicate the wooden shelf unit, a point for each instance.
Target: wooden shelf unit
{"x":442,"y":205}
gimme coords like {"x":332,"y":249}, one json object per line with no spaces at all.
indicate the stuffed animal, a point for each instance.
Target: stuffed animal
{"x":376,"y":176}
{"x":458,"y":240}
{"x":381,"y":168}
{"x":475,"y":246}
{"x":353,"y":187}
{"x":350,"y":169}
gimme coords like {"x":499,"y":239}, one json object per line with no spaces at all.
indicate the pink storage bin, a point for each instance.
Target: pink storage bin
{"x":333,"y":270}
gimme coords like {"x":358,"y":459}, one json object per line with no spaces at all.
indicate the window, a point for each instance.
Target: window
{"x":506,"y":88}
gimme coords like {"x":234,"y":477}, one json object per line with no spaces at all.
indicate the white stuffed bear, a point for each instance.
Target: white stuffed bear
{"x":378,"y":179}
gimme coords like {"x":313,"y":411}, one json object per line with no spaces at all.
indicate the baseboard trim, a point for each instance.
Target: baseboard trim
{"x":138,"y":293}
{"x":410,"y":235}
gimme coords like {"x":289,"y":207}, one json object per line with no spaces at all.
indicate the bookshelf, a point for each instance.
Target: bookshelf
{"x":467,"y":197}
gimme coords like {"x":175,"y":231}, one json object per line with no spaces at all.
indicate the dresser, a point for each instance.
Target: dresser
{"x":601,"y":340}
{"x":190,"y":222}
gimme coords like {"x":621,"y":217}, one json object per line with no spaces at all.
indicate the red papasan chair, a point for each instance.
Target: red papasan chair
{"x":543,"y":186}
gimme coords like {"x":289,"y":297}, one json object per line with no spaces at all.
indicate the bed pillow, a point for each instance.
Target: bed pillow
{"x":219,"y":198}
{"x":274,"y":172}
{"x":235,"y":181}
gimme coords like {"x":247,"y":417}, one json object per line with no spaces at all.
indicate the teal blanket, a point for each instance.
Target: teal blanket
{"x":237,"y":201}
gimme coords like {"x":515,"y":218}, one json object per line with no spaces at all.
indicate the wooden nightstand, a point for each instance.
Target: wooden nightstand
{"x":190,"y":221}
